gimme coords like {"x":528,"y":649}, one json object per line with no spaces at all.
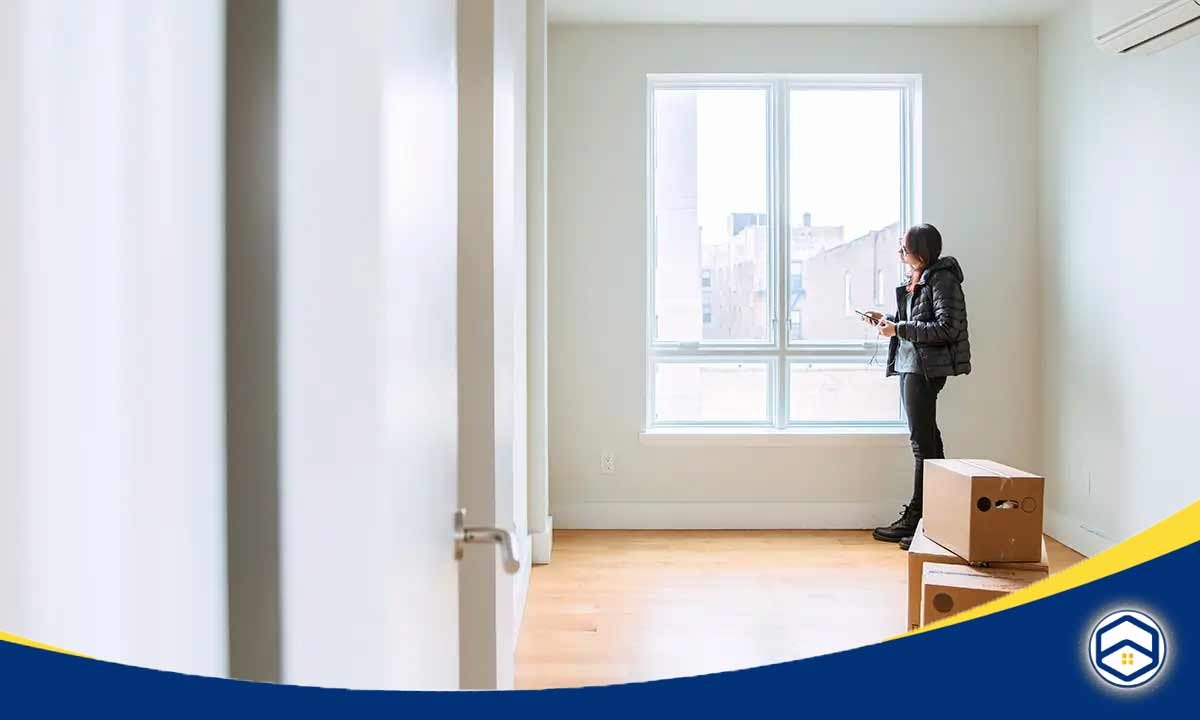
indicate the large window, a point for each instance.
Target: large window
{"x":776,"y":205}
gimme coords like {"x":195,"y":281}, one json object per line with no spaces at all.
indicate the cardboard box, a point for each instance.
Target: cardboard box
{"x":923,"y":550}
{"x":949,"y":589}
{"x":984,"y":511}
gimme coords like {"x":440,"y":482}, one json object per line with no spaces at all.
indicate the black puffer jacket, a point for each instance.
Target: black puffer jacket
{"x":938,"y":325}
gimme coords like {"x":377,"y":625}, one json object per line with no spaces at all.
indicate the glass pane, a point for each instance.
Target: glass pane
{"x":845,"y":207}
{"x":711,"y":392}
{"x":712,"y":273}
{"x":839,"y":392}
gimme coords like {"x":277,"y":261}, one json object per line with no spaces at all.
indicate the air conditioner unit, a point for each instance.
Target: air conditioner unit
{"x":1144,"y":26}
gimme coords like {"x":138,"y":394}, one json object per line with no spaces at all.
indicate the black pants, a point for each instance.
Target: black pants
{"x":919,"y":395}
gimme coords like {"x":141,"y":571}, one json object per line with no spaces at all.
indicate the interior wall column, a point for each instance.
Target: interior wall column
{"x":540,"y":523}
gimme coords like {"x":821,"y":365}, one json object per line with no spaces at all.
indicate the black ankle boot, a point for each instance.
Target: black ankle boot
{"x":906,"y":543}
{"x":904,"y":527}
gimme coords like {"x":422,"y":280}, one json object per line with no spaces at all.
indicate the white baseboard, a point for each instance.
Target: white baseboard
{"x":543,"y":543}
{"x":1074,"y":534}
{"x":604,"y":515}
{"x":634,"y":515}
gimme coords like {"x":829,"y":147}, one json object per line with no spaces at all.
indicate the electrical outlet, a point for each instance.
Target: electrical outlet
{"x":608,"y":464}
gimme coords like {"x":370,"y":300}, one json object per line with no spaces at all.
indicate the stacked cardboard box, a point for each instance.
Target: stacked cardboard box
{"x":949,"y":589}
{"x":980,"y":537}
{"x":924,"y":552}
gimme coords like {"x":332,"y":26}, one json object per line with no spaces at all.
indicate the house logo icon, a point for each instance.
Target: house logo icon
{"x":1127,"y":648}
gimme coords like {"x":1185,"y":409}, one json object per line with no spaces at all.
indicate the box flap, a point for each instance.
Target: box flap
{"x":960,"y":467}
{"x":922,"y":545}
{"x":990,"y":468}
{"x":977,"y":467}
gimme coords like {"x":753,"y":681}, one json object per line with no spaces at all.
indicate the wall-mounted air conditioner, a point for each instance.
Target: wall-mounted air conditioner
{"x":1144,"y":26}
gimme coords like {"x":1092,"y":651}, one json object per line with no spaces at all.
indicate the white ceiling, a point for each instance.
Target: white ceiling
{"x":806,"y":12}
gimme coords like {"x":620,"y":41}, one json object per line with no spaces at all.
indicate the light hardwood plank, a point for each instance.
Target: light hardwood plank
{"x":631,"y":605}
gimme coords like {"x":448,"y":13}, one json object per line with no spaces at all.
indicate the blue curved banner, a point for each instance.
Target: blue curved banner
{"x":1082,"y":651}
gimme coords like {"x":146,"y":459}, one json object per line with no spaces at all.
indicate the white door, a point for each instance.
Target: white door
{"x":368,"y":363}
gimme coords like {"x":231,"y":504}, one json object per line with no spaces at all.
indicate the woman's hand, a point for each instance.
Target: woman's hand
{"x":874,"y":317}
{"x":887,"y":328}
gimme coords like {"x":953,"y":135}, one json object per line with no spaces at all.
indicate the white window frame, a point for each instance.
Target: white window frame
{"x":778,"y":350}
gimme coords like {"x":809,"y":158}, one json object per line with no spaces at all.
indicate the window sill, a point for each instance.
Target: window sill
{"x":878,"y":435}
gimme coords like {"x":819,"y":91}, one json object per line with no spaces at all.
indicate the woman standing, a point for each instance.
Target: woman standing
{"x":928,"y":344}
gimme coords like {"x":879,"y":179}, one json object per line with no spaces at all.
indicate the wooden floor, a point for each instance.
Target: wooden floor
{"x":622,"y":606}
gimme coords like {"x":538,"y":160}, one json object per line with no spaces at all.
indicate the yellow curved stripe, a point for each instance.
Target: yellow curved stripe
{"x":18,"y":640}
{"x":1179,"y":530}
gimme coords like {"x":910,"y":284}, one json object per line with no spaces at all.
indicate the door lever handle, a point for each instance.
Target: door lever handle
{"x":506,"y":539}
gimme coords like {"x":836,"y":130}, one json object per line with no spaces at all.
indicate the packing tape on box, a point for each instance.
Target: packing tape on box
{"x":1004,"y":504}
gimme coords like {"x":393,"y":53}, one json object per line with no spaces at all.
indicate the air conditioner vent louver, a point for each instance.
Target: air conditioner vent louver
{"x":1144,"y":26}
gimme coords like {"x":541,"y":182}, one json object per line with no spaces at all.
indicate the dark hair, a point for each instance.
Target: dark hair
{"x":924,"y":242}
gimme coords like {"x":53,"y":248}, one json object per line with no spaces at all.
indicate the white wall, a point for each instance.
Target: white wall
{"x":113,"y":475}
{"x":1120,"y":167}
{"x":541,"y":532}
{"x":979,"y":189}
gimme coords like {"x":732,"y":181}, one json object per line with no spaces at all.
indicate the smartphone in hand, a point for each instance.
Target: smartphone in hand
{"x":873,"y":319}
